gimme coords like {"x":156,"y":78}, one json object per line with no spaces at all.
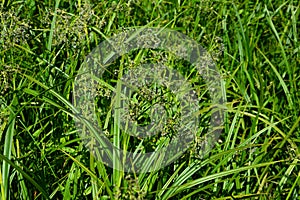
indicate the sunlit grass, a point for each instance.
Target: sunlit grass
{"x":255,"y":46}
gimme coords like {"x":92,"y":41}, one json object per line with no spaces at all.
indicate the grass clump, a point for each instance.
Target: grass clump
{"x":255,"y":45}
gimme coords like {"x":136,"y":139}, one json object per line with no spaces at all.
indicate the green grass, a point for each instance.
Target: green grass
{"x":255,"y":45}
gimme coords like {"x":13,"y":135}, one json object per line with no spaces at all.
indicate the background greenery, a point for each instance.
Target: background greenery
{"x":255,"y":45}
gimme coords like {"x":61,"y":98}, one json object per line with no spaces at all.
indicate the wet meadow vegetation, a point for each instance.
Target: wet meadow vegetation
{"x":254,"y":44}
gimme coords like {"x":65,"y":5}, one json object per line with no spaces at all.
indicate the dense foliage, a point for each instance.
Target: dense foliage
{"x":255,"y":45}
